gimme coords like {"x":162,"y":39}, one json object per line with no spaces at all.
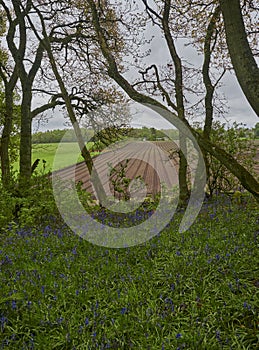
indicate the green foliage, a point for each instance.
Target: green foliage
{"x":150,"y":134}
{"x":195,"y":290}
{"x":120,"y":181}
{"x":55,"y":136}
{"x":108,"y":136}
{"x":36,"y":202}
{"x":16,"y":125}
{"x":232,"y":140}
{"x":256,"y":131}
{"x":7,"y":207}
{"x":67,"y":155}
{"x":28,"y":204}
{"x":68,"y":152}
{"x":86,"y":199}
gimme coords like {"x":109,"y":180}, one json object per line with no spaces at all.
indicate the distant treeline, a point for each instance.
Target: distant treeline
{"x":152,"y":134}
{"x":68,"y":135}
{"x":55,"y":136}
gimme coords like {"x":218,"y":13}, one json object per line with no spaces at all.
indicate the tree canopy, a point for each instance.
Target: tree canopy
{"x":82,"y":56}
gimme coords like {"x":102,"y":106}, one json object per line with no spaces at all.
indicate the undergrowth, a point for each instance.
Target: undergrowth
{"x":194,"y":290}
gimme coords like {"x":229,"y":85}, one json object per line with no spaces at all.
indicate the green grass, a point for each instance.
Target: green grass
{"x":47,"y":152}
{"x":195,"y":290}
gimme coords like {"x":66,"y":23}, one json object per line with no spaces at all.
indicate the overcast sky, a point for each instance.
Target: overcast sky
{"x":239,"y":109}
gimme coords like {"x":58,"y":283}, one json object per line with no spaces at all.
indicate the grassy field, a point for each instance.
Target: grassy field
{"x":47,"y":152}
{"x":66,"y":157}
{"x":195,"y":290}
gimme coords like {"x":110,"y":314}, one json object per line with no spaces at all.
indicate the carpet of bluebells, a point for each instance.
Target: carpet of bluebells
{"x":194,"y":290}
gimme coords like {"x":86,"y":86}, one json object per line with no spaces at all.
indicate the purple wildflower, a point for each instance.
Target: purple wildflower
{"x":123,"y":310}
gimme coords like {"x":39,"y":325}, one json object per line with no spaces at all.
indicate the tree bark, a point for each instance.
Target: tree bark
{"x":18,"y":24}
{"x":246,"y":179}
{"x":101,"y":195}
{"x":5,"y":139}
{"x":25,"y":136}
{"x":210,"y":88}
{"x":242,"y":58}
{"x":9,"y":86}
{"x":183,"y":166}
{"x":206,"y":73}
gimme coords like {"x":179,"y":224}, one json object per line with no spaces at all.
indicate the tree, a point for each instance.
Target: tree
{"x":9,"y":79}
{"x":209,"y":45}
{"x":247,"y":180}
{"x":242,"y":58}
{"x":42,"y":71}
{"x":49,"y":35}
{"x":17,"y":23}
{"x":110,"y":124}
{"x":242,"y":149}
{"x":23,"y":69}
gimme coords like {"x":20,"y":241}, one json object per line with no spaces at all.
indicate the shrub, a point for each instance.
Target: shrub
{"x":241,"y":148}
{"x":7,"y":206}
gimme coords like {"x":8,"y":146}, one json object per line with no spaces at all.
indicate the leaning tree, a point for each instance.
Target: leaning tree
{"x":114,"y":71}
{"x":53,"y":62}
{"x":242,"y":57}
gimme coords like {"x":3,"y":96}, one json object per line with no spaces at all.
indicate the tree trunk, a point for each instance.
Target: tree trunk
{"x":206,"y":73}
{"x":26,"y":137}
{"x":245,"y":178}
{"x":9,"y":86}
{"x":184,"y":192}
{"x":209,"y":110}
{"x":183,"y":184}
{"x":240,"y":52}
{"x":101,"y":195}
{"x":5,"y":139}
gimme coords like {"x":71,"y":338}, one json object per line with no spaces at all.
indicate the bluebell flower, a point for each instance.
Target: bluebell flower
{"x":47,"y":228}
{"x":247,"y":306}
{"x":218,"y":335}
{"x":123,"y":310}
{"x":14,"y":304}
{"x":60,"y":320}
{"x":3,"y":321}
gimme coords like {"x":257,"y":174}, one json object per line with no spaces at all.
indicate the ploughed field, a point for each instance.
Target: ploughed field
{"x":156,"y":163}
